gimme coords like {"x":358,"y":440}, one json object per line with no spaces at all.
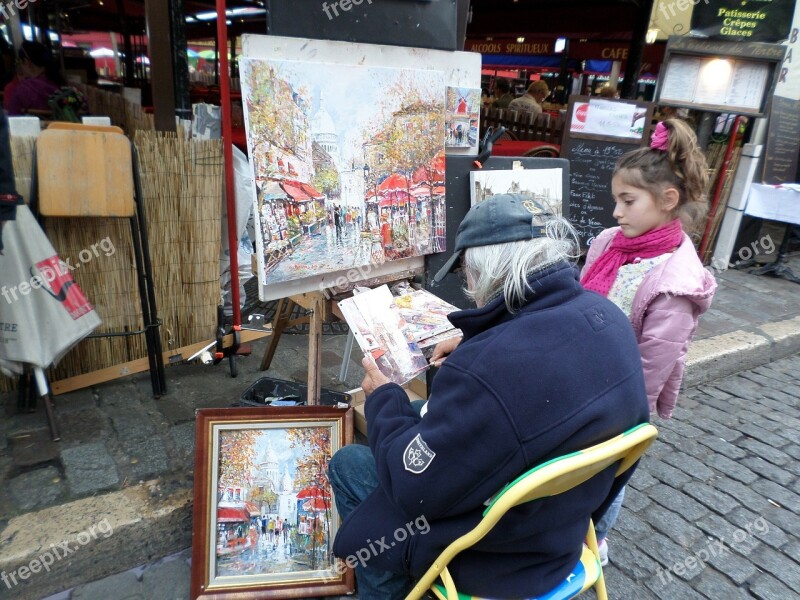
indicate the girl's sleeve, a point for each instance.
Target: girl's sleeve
{"x":667,"y":329}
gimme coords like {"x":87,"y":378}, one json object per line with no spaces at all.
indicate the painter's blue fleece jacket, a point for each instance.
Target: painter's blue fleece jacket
{"x":560,"y":375}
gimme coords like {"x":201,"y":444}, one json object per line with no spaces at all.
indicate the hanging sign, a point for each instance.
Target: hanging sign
{"x":743,"y":20}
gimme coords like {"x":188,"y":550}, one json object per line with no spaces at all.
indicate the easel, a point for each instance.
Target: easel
{"x":320,"y":307}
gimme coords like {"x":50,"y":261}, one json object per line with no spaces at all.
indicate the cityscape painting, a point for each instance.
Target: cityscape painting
{"x":349,"y":165}
{"x":543,"y":185}
{"x":269,"y":518}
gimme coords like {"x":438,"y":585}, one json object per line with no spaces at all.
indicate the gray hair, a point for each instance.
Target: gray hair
{"x":505,"y":268}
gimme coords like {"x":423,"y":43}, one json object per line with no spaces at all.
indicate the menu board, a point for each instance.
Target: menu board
{"x":591,"y":164}
{"x":737,"y":86}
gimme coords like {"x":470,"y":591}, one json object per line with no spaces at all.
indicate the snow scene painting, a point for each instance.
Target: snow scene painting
{"x":349,"y":165}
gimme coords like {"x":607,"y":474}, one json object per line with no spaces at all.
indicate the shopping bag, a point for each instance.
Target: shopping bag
{"x":43,"y":312}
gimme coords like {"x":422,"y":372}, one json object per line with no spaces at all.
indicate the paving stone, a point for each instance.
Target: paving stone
{"x":716,"y":429}
{"x":129,"y":422}
{"x":714,"y":392}
{"x":167,"y":580}
{"x":732,"y":537}
{"x":77,"y":401}
{"x":620,"y":587}
{"x":629,"y":559}
{"x":147,"y":458}
{"x":723,"y":447}
{"x":739,"y":387}
{"x":664,"y":472}
{"x":681,"y":428}
{"x":735,"y":566}
{"x":177,"y":411}
{"x":716,"y":500}
{"x":82,"y":426}
{"x":635,"y":500}
{"x":123,"y":586}
{"x":778,"y":493}
{"x":762,"y":435}
{"x":784,"y":519}
{"x":667,"y":587}
{"x":641,"y":479}
{"x":769,"y":453}
{"x":715,"y":415}
{"x":89,"y":469}
{"x":631,"y":526}
{"x":758,"y":526}
{"x":183,"y":440}
{"x":792,"y":550}
{"x":689,"y":465}
{"x":769,"y":471}
{"x":36,"y":489}
{"x":668,"y":553}
{"x":730,"y":468}
{"x":777,"y":406}
{"x":676,"y":501}
{"x":714,"y":585}
{"x":792,"y":450}
{"x":672,"y":525}
{"x":778,"y":564}
{"x":766,"y":587}
{"x":769,"y":372}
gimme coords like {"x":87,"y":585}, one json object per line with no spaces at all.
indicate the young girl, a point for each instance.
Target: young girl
{"x":648,"y":265}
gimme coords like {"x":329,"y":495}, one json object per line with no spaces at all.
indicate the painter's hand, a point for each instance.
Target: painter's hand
{"x":373,"y":378}
{"x":443,"y":350}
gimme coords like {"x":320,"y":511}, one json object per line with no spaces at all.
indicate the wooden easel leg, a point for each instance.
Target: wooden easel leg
{"x":278,"y":325}
{"x":315,"y":353}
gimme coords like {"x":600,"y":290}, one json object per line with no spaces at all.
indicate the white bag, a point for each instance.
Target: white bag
{"x":43,"y":312}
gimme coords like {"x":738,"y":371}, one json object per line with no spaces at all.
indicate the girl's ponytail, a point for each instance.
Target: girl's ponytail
{"x":676,"y":161}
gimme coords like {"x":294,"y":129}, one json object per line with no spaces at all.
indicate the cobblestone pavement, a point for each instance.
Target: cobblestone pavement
{"x":711,"y":513}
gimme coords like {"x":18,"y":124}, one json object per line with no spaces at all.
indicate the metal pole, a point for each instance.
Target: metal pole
{"x":638,"y":41}
{"x":227,"y":148}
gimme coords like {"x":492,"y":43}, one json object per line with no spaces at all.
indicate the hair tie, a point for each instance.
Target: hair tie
{"x":660,"y":138}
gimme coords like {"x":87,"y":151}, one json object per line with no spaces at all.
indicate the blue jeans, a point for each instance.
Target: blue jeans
{"x":353,"y":477}
{"x":609,"y":519}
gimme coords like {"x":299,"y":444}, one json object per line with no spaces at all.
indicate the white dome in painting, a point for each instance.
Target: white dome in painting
{"x":323,"y":129}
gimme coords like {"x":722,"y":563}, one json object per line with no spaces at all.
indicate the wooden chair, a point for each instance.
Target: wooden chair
{"x":549,"y":479}
{"x":92,"y":171}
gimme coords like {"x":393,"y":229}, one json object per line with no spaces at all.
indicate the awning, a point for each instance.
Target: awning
{"x":295,"y":192}
{"x":231,"y":515}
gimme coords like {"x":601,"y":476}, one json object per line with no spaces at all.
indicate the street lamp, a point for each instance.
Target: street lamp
{"x":366,"y":172}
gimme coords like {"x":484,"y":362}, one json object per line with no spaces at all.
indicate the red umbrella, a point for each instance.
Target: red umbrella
{"x":313,"y":491}
{"x":394,"y":183}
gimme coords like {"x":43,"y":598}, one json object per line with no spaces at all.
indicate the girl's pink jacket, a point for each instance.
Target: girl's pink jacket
{"x":664,"y":316}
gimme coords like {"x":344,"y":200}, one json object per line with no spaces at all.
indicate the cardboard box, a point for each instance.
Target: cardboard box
{"x":416,"y":390}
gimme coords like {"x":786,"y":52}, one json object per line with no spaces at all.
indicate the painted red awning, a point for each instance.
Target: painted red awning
{"x":295,"y":192}
{"x":231,"y":515}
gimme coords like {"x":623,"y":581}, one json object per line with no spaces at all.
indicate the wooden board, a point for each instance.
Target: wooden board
{"x":84,"y":173}
{"x":140,"y":365}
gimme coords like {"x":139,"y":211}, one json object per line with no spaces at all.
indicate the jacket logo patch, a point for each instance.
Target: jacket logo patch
{"x":417,"y":456}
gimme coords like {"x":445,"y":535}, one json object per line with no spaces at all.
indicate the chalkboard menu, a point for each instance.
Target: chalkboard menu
{"x":625,"y":126}
{"x":591,"y":163}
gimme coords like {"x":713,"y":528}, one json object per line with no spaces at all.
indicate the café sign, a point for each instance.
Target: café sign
{"x":743,"y":20}
{"x":511,"y":46}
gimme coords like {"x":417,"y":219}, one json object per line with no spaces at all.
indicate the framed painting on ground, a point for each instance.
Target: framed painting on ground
{"x":264,"y":516}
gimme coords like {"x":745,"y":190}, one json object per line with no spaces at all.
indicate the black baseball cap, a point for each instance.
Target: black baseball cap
{"x":497,"y":220}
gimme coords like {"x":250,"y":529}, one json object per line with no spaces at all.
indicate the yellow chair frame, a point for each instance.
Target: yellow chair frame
{"x":549,"y":479}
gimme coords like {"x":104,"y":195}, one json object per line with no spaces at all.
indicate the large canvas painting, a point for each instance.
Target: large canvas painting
{"x":349,"y":165}
{"x":264,"y":513}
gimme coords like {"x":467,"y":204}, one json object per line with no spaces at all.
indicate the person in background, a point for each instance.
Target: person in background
{"x":502,"y":93}
{"x":531,"y":102}
{"x":544,"y":369}
{"x":648,"y":265}
{"x":40,"y":78}
{"x":606,"y":91}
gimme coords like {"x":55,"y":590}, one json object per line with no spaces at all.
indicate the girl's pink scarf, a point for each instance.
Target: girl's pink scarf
{"x":623,"y":251}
